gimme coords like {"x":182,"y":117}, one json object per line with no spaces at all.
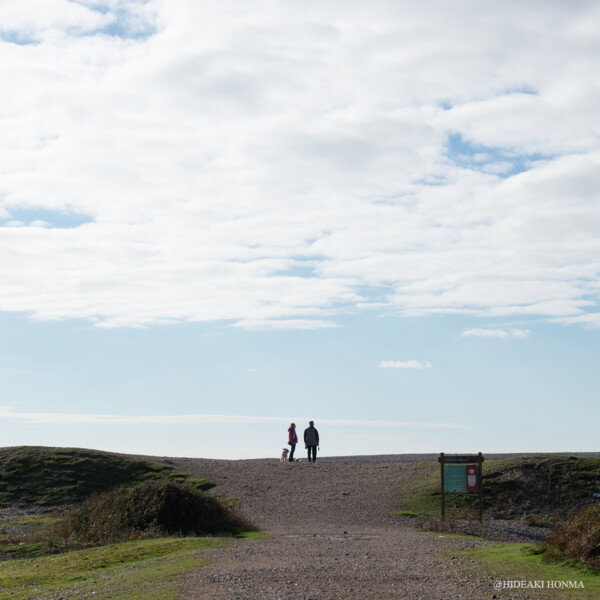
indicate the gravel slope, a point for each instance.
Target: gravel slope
{"x":332,"y":535}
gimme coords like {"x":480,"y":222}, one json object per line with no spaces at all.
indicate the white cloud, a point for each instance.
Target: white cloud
{"x":7,"y":414}
{"x":496,"y":333}
{"x":409,"y":364}
{"x":282,"y":324}
{"x":523,"y":123}
{"x":520,"y":333}
{"x":591,"y":320}
{"x":264,"y":163}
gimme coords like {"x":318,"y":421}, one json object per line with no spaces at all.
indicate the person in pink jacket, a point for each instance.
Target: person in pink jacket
{"x":292,"y":440}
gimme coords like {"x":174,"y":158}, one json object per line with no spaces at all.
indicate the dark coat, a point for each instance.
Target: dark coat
{"x":311,"y":436}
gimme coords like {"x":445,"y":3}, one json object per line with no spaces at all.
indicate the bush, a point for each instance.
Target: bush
{"x":149,"y":509}
{"x":578,"y":538}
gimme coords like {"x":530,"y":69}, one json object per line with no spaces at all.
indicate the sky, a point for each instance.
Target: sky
{"x":220,"y":217}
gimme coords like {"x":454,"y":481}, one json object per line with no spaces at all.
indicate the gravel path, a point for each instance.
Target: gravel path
{"x":333,"y":535}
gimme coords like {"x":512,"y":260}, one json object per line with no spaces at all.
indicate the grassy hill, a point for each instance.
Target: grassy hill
{"x":75,"y":498}
{"x":42,"y":476}
{"x":539,"y":488}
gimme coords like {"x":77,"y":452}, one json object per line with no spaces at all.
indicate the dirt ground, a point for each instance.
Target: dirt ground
{"x":333,"y":535}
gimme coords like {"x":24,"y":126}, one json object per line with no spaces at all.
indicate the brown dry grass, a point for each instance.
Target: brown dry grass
{"x":578,"y":538}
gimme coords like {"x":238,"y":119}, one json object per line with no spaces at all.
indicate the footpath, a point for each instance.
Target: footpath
{"x":333,"y":535}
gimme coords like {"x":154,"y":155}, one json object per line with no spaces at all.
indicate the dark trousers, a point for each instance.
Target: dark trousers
{"x":292,"y":448}
{"x":312,"y":450}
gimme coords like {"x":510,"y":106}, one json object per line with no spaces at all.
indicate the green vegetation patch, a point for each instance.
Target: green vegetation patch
{"x":32,"y":475}
{"x":540,"y":488}
{"x":143,"y":569}
{"x":27,"y":535}
{"x":422,"y":497}
{"x":523,"y":562}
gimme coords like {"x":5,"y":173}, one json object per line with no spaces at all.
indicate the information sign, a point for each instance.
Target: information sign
{"x":455,"y":478}
{"x":461,"y":473}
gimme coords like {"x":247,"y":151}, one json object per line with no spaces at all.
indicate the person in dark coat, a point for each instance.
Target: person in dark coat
{"x":311,"y":441}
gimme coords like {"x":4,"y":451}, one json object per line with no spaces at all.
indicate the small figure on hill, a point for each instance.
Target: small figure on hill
{"x":311,"y":441}
{"x":292,"y":440}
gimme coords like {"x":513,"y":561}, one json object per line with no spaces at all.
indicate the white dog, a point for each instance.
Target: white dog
{"x":284,"y":453}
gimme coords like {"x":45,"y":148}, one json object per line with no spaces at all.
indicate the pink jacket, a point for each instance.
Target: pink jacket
{"x":292,"y":437}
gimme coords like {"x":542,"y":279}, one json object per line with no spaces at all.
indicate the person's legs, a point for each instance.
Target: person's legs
{"x":309,"y":450}
{"x":314,"y":454}
{"x":293,"y":447}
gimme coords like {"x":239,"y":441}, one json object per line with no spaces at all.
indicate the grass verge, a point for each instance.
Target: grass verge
{"x":139,"y":570}
{"x":523,"y":562}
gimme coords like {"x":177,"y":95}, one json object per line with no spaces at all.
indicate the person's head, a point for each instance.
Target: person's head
{"x":311,"y":423}
{"x":293,"y":425}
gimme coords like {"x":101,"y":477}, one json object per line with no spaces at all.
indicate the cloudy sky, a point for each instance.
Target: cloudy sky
{"x":218,"y":217}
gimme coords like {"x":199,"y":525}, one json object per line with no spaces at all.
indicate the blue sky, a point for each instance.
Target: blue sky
{"x":216,"y":220}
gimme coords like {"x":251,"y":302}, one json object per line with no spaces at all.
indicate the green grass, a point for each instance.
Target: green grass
{"x":40,"y":476}
{"x":523,"y":562}
{"x":139,"y":570}
{"x":26,"y":535}
{"x":423,"y":497}
{"x":540,"y":489}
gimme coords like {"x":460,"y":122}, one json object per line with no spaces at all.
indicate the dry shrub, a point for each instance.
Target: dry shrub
{"x":579,"y":538}
{"x":453,"y":526}
{"x":150,"y":509}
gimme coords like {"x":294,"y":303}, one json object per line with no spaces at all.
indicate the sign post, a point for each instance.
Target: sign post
{"x":461,"y":473}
